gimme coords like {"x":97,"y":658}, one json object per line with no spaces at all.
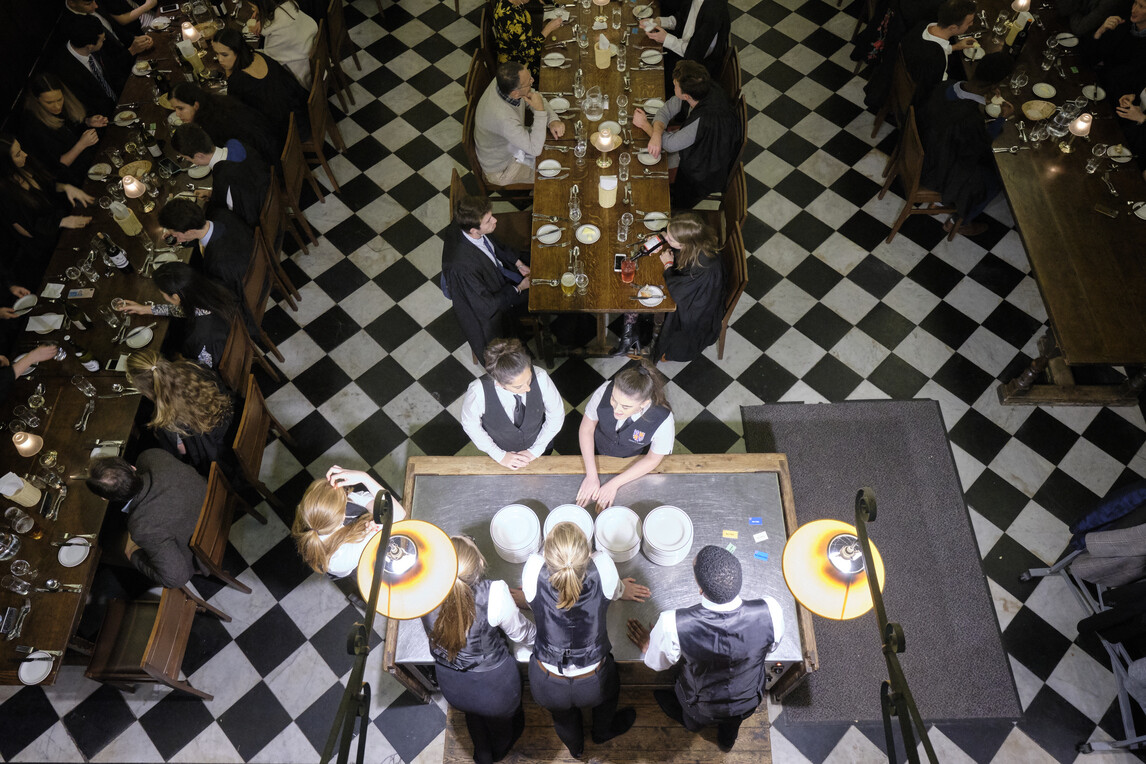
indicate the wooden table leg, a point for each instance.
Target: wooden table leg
{"x":1060,"y":387}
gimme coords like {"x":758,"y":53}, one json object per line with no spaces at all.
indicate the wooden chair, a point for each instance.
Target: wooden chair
{"x":321,"y":125}
{"x":257,"y":284}
{"x":898,"y":98}
{"x":324,"y":62}
{"x":338,"y":38}
{"x":908,"y":163}
{"x":209,"y":541}
{"x":251,"y":439}
{"x":278,"y":214}
{"x":478,"y":77}
{"x":488,"y":46}
{"x":730,"y":74}
{"x":733,"y":208}
{"x":734,"y":261}
{"x":272,"y":238}
{"x":145,"y":641}
{"x":295,"y":171}
{"x":514,"y":191}
{"x":239,"y":354}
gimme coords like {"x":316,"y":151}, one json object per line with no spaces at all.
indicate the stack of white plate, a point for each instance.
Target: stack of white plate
{"x":571,"y":513}
{"x":668,"y":535}
{"x":516,"y":532}
{"x":618,"y":533}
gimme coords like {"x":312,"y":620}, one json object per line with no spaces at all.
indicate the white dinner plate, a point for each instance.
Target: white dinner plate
{"x":25,"y":304}
{"x":549,"y":168}
{"x":549,"y":234}
{"x":644,"y":157}
{"x":141,"y":68}
{"x":974,"y":53}
{"x":1094,"y":93}
{"x":160,"y":23}
{"x":570,"y":513}
{"x":73,"y":552}
{"x":642,"y":11}
{"x":1119,"y":153}
{"x":104,"y":452}
{"x":173,"y":120}
{"x":553,"y":59}
{"x":611,"y":126}
{"x":1043,"y":90}
{"x":99,"y":171}
{"x":166,"y":257}
{"x":33,"y":671}
{"x":651,"y":56}
{"x":125,"y":118}
{"x":199,"y":171}
{"x":668,"y":529}
{"x":1066,"y":39}
{"x":652,"y":106}
{"x":618,"y":529}
{"x":651,"y":296}
{"x":558,"y":104}
{"x":139,"y":338}
{"x":1140,"y":209}
{"x":514,"y":527}
{"x":656,"y":221}
{"x":588,"y":234}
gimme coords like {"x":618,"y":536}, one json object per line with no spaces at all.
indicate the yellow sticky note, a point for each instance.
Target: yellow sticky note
{"x":731,"y":535}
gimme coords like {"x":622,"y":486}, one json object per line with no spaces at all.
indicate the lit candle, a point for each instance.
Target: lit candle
{"x":27,"y":444}
{"x":1019,"y":6}
{"x":190,"y":32}
{"x":133,"y":187}
{"x":1081,"y":126}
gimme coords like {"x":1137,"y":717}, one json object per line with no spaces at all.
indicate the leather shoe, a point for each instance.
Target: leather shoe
{"x":622,"y":721}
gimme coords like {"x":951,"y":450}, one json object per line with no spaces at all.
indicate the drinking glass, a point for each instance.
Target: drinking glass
{"x":585,"y":4}
{"x":116,"y":191}
{"x":118,"y":303}
{"x":1000,"y":25}
{"x":115,"y":157}
{"x":89,"y":272}
{"x":1048,"y":59}
{"x":23,"y":569}
{"x":1038,"y":135}
{"x":574,"y":212}
{"x":48,"y":458}
{"x":583,"y":36}
{"x":24,"y":414}
{"x":582,"y":283}
{"x":622,"y":58}
{"x":20,"y":520}
{"x":1099,"y":149}
{"x":110,"y":316}
{"x":85,"y":387}
{"x":623,"y":166}
{"x":579,"y":153}
{"x":105,"y":202}
{"x":1092,"y":165}
{"x":131,"y":147}
{"x":16,"y":584}
{"x":616,"y":18}
{"x":628,"y":270}
{"x":622,"y":231}
{"x":568,"y":283}
{"x":36,"y":400}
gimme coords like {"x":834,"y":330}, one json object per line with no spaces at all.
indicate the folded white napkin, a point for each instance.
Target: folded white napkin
{"x":46,"y":322}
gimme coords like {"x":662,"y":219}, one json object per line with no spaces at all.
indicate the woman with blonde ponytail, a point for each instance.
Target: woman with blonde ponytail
{"x":572,"y":667}
{"x":626,"y":416}
{"x":476,"y":669}
{"x":333,"y":524}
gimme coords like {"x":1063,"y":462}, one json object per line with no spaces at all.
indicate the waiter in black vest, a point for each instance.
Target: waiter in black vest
{"x":724,"y":643}
{"x":514,"y":411}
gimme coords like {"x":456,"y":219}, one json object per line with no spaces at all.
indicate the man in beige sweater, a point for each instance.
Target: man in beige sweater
{"x":506,"y":148}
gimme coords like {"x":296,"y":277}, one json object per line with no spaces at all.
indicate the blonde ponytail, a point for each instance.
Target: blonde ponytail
{"x":459,"y":610}
{"x":567,"y":557}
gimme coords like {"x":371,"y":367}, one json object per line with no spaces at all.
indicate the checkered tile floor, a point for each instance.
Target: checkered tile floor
{"x":376,"y":369}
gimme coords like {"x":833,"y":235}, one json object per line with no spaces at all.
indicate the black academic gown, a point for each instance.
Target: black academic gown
{"x":712,"y":21}
{"x":957,"y":162}
{"x":247,"y":181}
{"x":925,"y":62}
{"x":483,"y":295}
{"x":705,"y":164}
{"x":48,"y":145}
{"x":276,"y":96}
{"x":228,"y":252}
{"x":699,"y":297}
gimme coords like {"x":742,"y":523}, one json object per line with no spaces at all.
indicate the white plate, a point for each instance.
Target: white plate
{"x":173,"y":120}
{"x":974,"y":53}
{"x":558,"y":104}
{"x":1066,"y":39}
{"x":34,"y":672}
{"x":139,"y":338}
{"x":548,"y":234}
{"x":99,"y":171}
{"x":611,"y":126}
{"x":74,"y":552}
{"x":668,"y":529}
{"x":125,"y":118}
{"x":570,"y":513}
{"x":166,"y":257}
{"x":1089,"y":92}
{"x":514,"y":527}
{"x":549,"y":168}
{"x":652,"y":106}
{"x":642,"y":11}
{"x":651,"y":56}
{"x":553,"y":59}
{"x":104,"y":452}
{"x":141,"y":69}
{"x":1140,"y":209}
{"x":656,"y":296}
{"x":993,"y":109}
{"x":199,"y":171}
{"x":644,"y":157}
{"x":1043,"y":90}
{"x":1119,"y":153}
{"x":160,"y":23}
{"x":618,"y":529}
{"x":655,"y":221}
{"x":25,"y":304}
{"x":588,"y":234}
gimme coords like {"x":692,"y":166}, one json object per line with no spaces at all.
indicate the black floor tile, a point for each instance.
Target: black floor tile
{"x":1008,"y":560}
{"x":393,"y":328}
{"x":897,"y":378}
{"x":447,"y":381}
{"x":1012,"y":324}
{"x":1115,"y":435}
{"x":376,"y":437}
{"x":832,"y":379}
{"x":949,"y":325}
{"x":706,"y":434}
{"x":410,"y":725}
{"x":98,"y":720}
{"x":175,"y":721}
{"x":254,"y":720}
{"x":979,"y":436}
{"x":1047,"y":436}
{"x":760,"y":326}
{"x":703,"y":380}
{"x":996,"y":499}
{"x":963,"y":378}
{"x":1056,"y":725}
{"x":350,"y":234}
{"x":441,"y":436}
{"x":767,"y":380}
{"x":823,"y":326}
{"x":23,"y":718}
{"x":270,"y":640}
{"x":996,"y":274}
{"x":322,"y":380}
{"x":332,"y":328}
{"x":341,"y":280}
{"x":935,"y":275}
{"x":886,"y":326}
{"x":1064,"y":497}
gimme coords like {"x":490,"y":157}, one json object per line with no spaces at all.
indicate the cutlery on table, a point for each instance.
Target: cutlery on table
{"x":54,"y":509}
{"x":557,"y":244}
{"x":556,"y":177}
{"x":1010,"y":149}
{"x":550,"y":218}
{"x":545,"y":282}
{"x":1023,"y":130}
{"x":559,"y":230}
{"x":82,"y":423}
{"x":554,"y":147}
{"x":1109,"y":185}
{"x":37,"y":658}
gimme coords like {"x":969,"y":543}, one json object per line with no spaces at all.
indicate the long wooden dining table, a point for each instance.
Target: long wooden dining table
{"x":606,"y":293}
{"x":53,"y":617}
{"x":1079,"y":229}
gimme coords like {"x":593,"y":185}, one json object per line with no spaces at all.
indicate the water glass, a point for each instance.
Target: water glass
{"x":622,"y":231}
{"x":1048,"y":60}
{"x":19,"y":520}
{"x":110,"y":316}
{"x":616,"y":18}
{"x":24,"y":414}
{"x":1092,"y":165}
{"x":1001,"y":23}
{"x":81,"y":383}
{"x":585,"y":4}
{"x":583,"y":37}
{"x":48,"y":458}
{"x":623,"y":166}
{"x":574,"y":212}
{"x":579,"y":152}
{"x":1099,"y":149}
{"x":622,"y":58}
{"x":118,"y":303}
{"x":23,"y":569}
{"x":89,"y":272}
{"x":115,"y":157}
{"x":16,"y":584}
{"x":105,"y":202}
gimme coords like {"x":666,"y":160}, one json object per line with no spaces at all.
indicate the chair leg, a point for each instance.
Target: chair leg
{"x":314,"y":186}
{"x":720,"y":343}
{"x":242,"y":506}
{"x":267,"y":494}
{"x":282,"y":432}
{"x":186,"y":687}
{"x":894,"y":155}
{"x":204,"y":605}
{"x":261,"y":358}
{"x":344,"y":80}
{"x":321,"y":157}
{"x":338,"y":91}
{"x":907,"y":206}
{"x":270,"y":345}
{"x":880,"y":116}
{"x":335,"y":135}
{"x":887,"y":183}
{"x":286,"y":284}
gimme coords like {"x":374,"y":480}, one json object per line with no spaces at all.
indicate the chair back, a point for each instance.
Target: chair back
{"x":254,"y":426}
{"x":209,"y":541}
{"x":910,"y":156}
{"x":318,"y":109}
{"x":902,"y":90}
{"x":272,"y":219}
{"x":238,"y":355}
{"x":320,"y":53}
{"x":730,"y":74}
{"x":734,"y":261}
{"x":294,"y":164}
{"x":457,"y":189}
{"x":469,"y":145}
{"x":163,"y":657}
{"x":336,"y":33}
{"x":734,"y":205}
{"x":478,"y":77}
{"x":257,"y":281}
{"x":488,"y":40}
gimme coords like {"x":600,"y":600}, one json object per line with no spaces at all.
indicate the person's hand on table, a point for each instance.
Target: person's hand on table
{"x":89,"y":137}
{"x":654,"y":147}
{"x":553,"y":25}
{"x":1131,"y":112}
{"x":523,"y":285}
{"x":140,"y":44}
{"x":77,"y":196}
{"x":588,"y":491}
{"x":606,"y":494}
{"x":75,"y":221}
{"x":964,"y":43}
{"x":522,"y":268}
{"x":667,"y":259}
{"x":96,"y":120}
{"x":634,"y":592}
{"x":641,"y":120}
{"x":657,"y":34}
{"x":1110,"y":23}
{"x":519,"y":598}
{"x":556,"y":128}
{"x":135,"y":308}
{"x":639,"y":634}
{"x":514,"y":460}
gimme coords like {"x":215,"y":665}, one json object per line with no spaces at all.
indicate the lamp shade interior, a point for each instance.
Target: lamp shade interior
{"x":816,"y":583}
{"x":425,"y":583}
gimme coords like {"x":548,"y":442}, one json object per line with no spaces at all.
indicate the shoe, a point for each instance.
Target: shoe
{"x":725,"y":745}
{"x":967,"y":229}
{"x":622,"y":721}
{"x":666,"y":699}
{"x":628,"y":340}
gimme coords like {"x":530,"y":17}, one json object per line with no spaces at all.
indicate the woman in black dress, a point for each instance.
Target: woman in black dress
{"x":261,"y":83}
{"x":225,"y":118}
{"x":57,"y":131}
{"x":205,"y":307}
{"x":695,"y":281}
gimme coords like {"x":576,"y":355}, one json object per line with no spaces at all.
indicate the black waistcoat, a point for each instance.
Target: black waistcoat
{"x":485,"y":647}
{"x":724,"y":657}
{"x":578,"y":636}
{"x":500,"y":427}
{"x":632,"y":439}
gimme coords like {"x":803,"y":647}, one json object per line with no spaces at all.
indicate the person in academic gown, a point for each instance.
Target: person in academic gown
{"x":695,"y":280}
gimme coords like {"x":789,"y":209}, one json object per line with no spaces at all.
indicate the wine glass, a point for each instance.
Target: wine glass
{"x":23,"y":569}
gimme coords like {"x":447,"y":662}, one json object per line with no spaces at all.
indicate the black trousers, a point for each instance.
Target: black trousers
{"x":727,"y":727}
{"x":566,"y":696}
{"x":491,"y":701}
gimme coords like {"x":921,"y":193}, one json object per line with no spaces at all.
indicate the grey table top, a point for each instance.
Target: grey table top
{"x":714,"y":502}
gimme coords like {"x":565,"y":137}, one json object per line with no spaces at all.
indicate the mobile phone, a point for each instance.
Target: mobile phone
{"x":173,"y":8}
{"x":168,"y":163}
{"x":80,"y":294}
{"x":1104,"y":210}
{"x":617,"y":260}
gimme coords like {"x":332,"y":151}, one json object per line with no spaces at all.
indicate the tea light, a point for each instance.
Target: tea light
{"x":190,"y":32}
{"x":1080,"y":126}
{"x":27,"y":444}
{"x":133,"y":187}
{"x":1019,"y":6}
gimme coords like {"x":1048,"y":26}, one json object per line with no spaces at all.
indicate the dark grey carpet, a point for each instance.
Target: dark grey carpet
{"x":955,"y":662}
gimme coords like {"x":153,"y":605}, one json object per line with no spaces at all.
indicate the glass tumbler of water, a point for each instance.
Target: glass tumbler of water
{"x":623,"y":166}
{"x":16,"y":584}
{"x":19,"y":520}
{"x":24,"y":570}
{"x":1092,"y":165}
{"x":1001,"y":23}
{"x":115,"y":157}
{"x":89,"y":272}
{"x":616,"y":18}
{"x":622,"y":57}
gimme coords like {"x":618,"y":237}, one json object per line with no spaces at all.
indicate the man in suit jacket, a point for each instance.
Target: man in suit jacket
{"x":163,"y":499}
{"x":223,"y":242}
{"x":121,"y":20}
{"x":240,"y":178}
{"x":89,"y":66}
{"x":485,"y":280}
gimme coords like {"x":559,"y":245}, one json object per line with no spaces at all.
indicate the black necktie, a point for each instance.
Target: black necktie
{"x":97,"y":71}
{"x":518,"y":411}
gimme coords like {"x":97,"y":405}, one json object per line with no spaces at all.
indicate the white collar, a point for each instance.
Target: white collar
{"x":727,"y":607}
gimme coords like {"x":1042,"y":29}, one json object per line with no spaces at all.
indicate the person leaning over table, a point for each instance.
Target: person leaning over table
{"x":57,"y":131}
{"x":695,"y":281}
{"x":120,"y":19}
{"x":240,"y":178}
{"x":703,"y":149}
{"x":513,"y":411}
{"x":513,"y":32}
{"x":722,"y":645}
{"x":206,"y":308}
{"x":702,"y":37}
{"x":35,"y":208}
{"x":572,"y":667}
{"x":162,"y":497}
{"x":10,"y":370}
{"x":624,"y":417}
{"x":1117,"y":51}
{"x":93,"y":65}
{"x":225,"y":118}
{"x":288,"y":35}
{"x":506,"y":149}
{"x":476,"y":669}
{"x":333,"y":524}
{"x":221,"y":243}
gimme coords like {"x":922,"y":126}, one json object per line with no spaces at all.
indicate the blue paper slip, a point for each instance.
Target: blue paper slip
{"x":756,"y":521}
{"x":760,"y":555}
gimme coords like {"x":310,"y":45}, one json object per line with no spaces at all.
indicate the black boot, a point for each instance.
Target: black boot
{"x":629,"y":342}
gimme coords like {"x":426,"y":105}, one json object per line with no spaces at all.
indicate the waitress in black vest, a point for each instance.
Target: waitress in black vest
{"x":626,"y":416}
{"x":514,"y":411}
{"x":724,"y":644}
{"x":572,"y":666}
{"x":476,"y":670}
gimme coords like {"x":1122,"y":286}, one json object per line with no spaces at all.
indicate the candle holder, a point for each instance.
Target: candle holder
{"x":605,"y":140}
{"x":27,"y":444}
{"x":1080,"y":126}
{"x":1019,"y":6}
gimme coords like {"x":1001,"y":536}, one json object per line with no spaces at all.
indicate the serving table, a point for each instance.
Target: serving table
{"x":1088,"y":266}
{"x":720,"y":493}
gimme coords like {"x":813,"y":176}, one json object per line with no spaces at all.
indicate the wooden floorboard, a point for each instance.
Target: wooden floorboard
{"x":654,"y":739}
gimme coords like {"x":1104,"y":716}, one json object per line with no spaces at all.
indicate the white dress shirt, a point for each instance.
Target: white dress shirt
{"x":344,"y":560}
{"x":663,"y":438}
{"x":945,"y":44}
{"x":678,"y":44}
{"x":664,"y":642}
{"x":503,"y":613}
{"x":473,"y":408}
